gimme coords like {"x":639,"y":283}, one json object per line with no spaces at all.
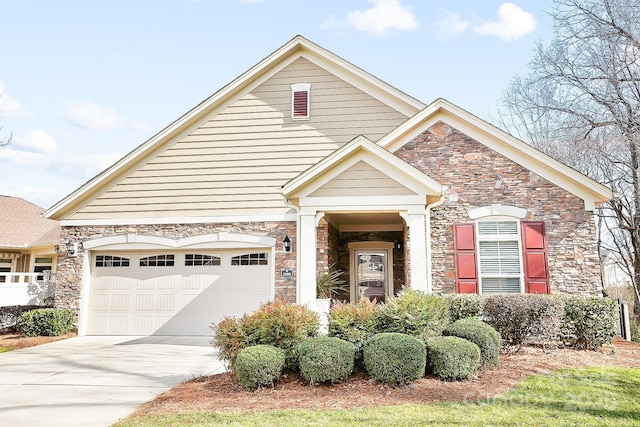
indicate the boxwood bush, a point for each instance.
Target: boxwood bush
{"x":354,"y":323}
{"x":414,"y":313}
{"x":479,"y":333}
{"x":46,"y":322}
{"x":524,"y":318}
{"x":589,"y":322}
{"x":395,"y":358}
{"x":462,"y":306}
{"x":452,"y":358}
{"x":259,"y":365}
{"x":325,"y":359}
{"x":274,"y":323}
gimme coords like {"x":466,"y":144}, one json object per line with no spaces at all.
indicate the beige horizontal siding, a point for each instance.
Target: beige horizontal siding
{"x":235,"y":162}
{"x":359,"y":180}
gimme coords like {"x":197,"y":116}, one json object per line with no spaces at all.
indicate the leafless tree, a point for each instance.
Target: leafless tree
{"x":580,"y":102}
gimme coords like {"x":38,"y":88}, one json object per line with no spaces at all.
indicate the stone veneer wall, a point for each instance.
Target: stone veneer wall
{"x":478,"y":176}
{"x":69,"y":274}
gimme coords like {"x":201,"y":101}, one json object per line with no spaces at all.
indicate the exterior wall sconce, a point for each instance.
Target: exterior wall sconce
{"x":399,"y":245}
{"x":70,"y":246}
{"x":287,"y":244}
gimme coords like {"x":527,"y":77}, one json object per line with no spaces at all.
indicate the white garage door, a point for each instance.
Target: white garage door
{"x":174,"y":293}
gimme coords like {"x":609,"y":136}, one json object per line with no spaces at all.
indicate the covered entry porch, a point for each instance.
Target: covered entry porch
{"x":366,"y":212}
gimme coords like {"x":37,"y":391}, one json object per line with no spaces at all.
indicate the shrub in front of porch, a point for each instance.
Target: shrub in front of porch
{"x":50,"y":322}
{"x":259,"y":365}
{"x":463,"y":306}
{"x":395,"y":358}
{"x":325,"y":359}
{"x":452,"y":358}
{"x":354,"y":323}
{"x":479,"y":333}
{"x":274,"y":323}
{"x":414,"y":313}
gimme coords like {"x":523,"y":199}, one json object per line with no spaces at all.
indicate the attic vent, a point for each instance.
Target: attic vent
{"x":300,"y":100}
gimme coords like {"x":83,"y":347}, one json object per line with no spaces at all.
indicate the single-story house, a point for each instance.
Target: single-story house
{"x":28,"y":256}
{"x":303,"y":162}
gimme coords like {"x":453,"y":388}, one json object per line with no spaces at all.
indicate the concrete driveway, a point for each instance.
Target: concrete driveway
{"x":96,"y":381}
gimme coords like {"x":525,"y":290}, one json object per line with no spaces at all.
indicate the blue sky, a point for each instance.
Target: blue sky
{"x":84,"y":82}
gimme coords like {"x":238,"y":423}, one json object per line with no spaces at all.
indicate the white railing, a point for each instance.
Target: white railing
{"x":19,"y":278}
{"x":25,"y":288}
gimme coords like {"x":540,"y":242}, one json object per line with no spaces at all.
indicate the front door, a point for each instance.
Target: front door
{"x":371,"y":270}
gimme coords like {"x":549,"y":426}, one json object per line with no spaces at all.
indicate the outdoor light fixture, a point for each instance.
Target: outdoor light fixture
{"x":70,"y":246}
{"x":286,"y":244}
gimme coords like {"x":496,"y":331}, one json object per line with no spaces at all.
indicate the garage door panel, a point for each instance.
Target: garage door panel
{"x":173,"y":300}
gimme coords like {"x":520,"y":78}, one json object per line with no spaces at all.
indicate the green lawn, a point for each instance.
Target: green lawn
{"x":3,"y":349}
{"x":605,"y":396}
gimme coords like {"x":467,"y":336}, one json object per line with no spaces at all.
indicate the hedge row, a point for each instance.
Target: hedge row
{"x":581,"y":322}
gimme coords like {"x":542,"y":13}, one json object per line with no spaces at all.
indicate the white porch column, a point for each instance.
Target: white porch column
{"x":306,"y":294}
{"x":418,"y":251}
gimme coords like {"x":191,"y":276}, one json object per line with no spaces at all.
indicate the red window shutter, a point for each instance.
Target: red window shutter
{"x":466,"y":264}
{"x":534,"y":255}
{"x":301,"y":104}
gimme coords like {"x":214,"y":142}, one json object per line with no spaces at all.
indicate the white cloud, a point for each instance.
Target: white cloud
{"x":37,"y":141}
{"x":451,"y":23}
{"x":93,"y":116}
{"x":9,"y":106}
{"x":512,"y":24}
{"x":86,"y":165}
{"x":384,"y":15}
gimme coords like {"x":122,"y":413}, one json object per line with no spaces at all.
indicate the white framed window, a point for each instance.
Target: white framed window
{"x":300,"y":101}
{"x":499,"y":256}
{"x":42,"y":264}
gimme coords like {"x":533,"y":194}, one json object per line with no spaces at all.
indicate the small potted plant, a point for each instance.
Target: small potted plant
{"x":328,"y":282}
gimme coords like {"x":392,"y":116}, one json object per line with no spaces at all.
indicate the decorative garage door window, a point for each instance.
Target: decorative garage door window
{"x":158,"y":261}
{"x":111,"y":261}
{"x":200,"y":259}
{"x":259,"y":258}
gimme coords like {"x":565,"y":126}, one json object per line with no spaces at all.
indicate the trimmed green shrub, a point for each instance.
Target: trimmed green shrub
{"x":394,"y":358}
{"x":414,"y":313}
{"x":325,"y":359}
{"x":46,"y":322}
{"x":479,"y":333}
{"x":462,"y":306}
{"x":589,"y":322}
{"x":274,"y":323}
{"x":452,"y":358}
{"x":524,"y":318}
{"x":354,"y":323}
{"x":259,"y":365}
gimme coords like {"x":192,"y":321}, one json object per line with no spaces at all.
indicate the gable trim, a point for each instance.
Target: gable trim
{"x":590,"y":191}
{"x":289,"y":52}
{"x":328,"y":168}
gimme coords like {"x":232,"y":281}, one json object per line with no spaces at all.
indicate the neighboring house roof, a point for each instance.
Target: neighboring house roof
{"x":287,"y":54}
{"x":589,"y":190}
{"x":22,"y":225}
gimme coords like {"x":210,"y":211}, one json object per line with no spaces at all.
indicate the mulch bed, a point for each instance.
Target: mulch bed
{"x":222,"y":393}
{"x":17,"y":340}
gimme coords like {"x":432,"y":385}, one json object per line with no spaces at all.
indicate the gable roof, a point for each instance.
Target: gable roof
{"x":592,"y":192}
{"x":22,"y":225}
{"x":285,"y":55}
{"x":360,"y":149}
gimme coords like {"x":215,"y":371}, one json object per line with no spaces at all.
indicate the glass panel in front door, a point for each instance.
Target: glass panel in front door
{"x":371,"y":274}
